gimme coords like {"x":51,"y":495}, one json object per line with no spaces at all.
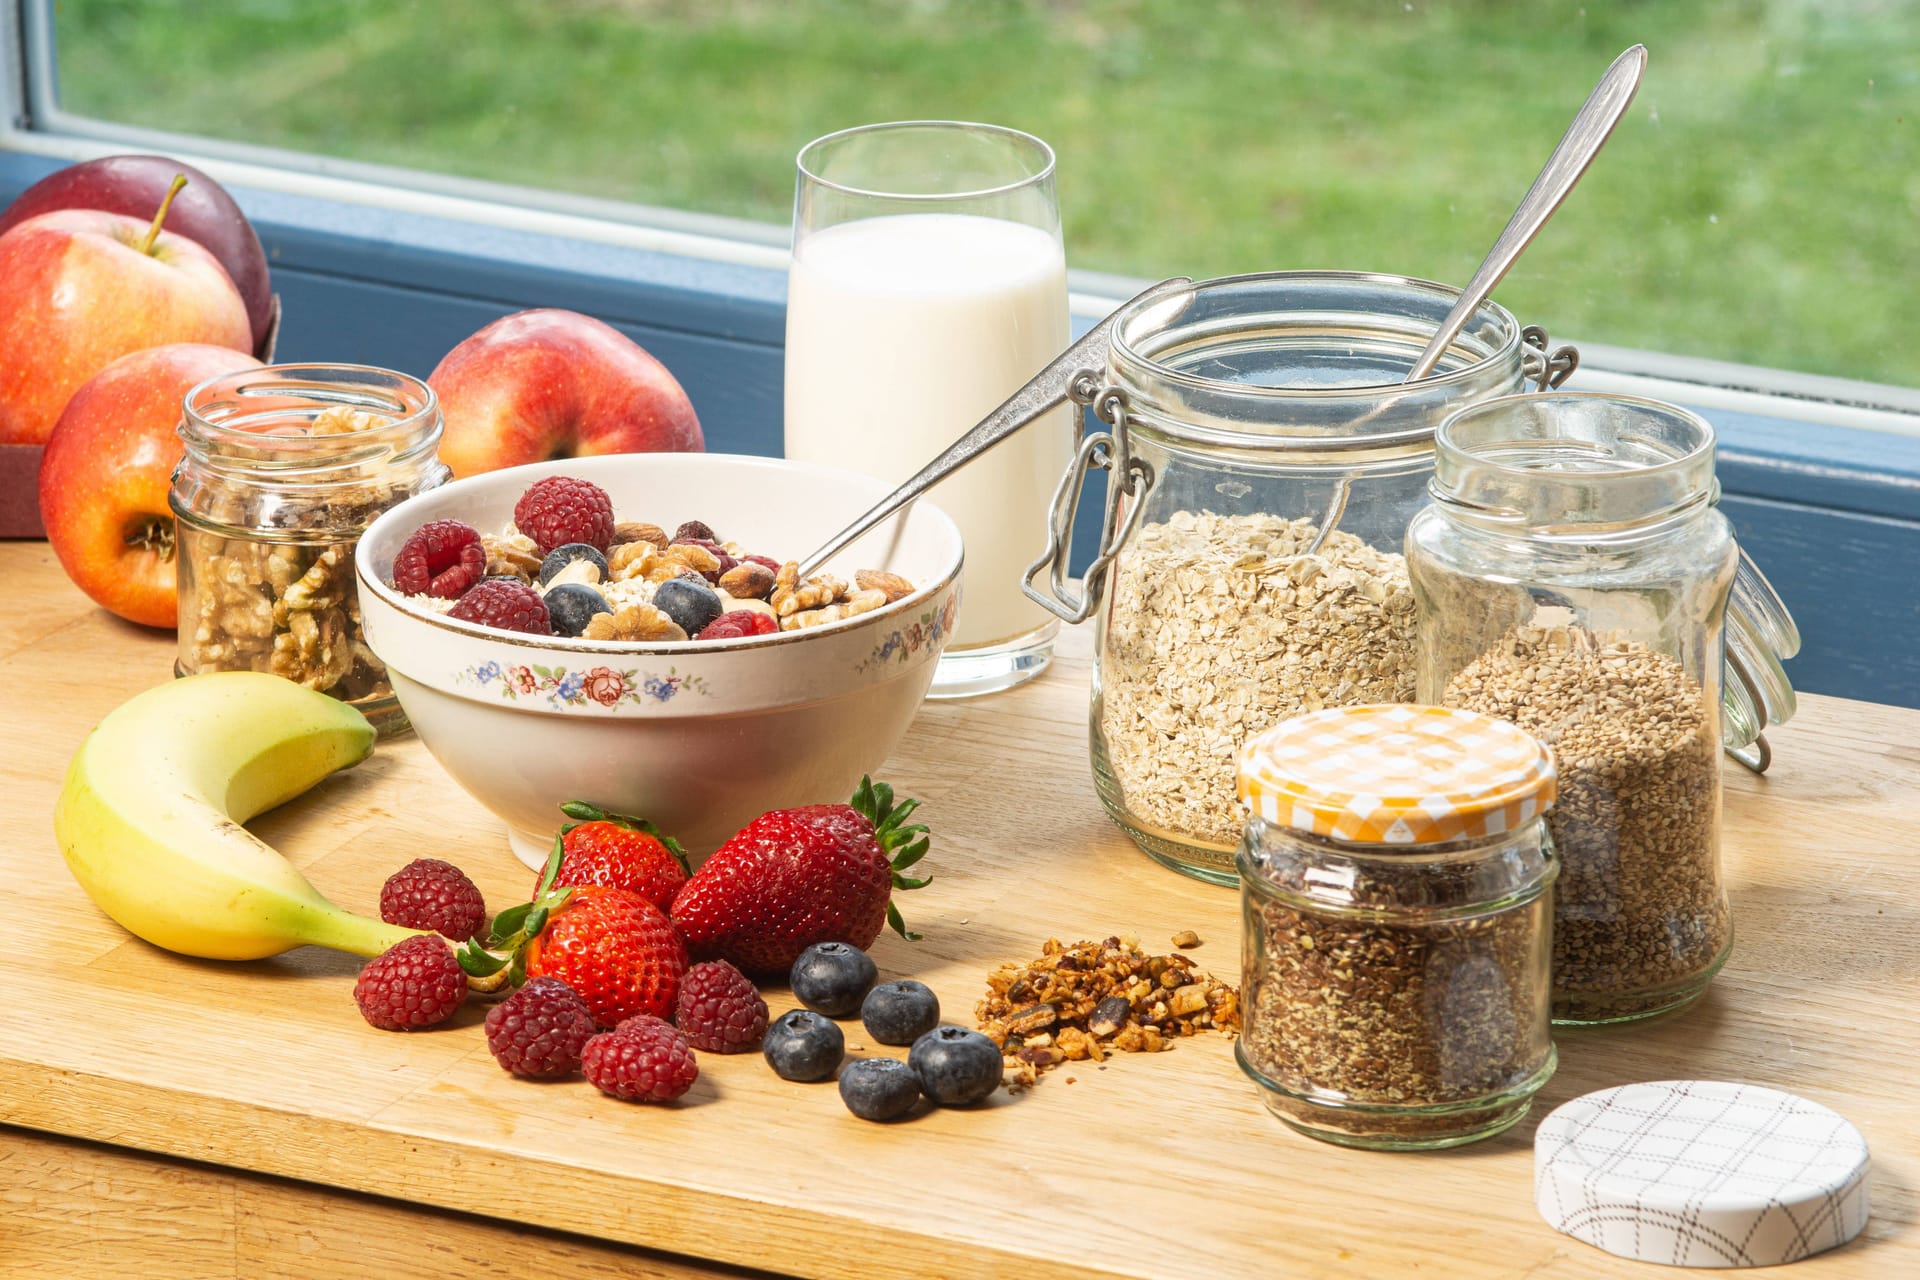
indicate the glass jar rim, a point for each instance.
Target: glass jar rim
{"x":1414,"y":284}
{"x":1484,"y":466}
{"x":1041,"y":172}
{"x":1198,"y":396}
{"x":410,"y":403}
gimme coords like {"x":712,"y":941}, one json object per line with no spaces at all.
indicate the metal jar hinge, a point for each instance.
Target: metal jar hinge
{"x":1130,"y":480}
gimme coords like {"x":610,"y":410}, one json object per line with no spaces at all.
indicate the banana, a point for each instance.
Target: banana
{"x":149,"y":817}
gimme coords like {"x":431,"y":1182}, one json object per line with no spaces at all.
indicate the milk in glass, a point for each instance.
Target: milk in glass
{"x":903,"y":331}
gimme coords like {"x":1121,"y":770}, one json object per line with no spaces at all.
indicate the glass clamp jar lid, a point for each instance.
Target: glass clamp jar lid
{"x":285,"y":467}
{"x":1396,"y":952}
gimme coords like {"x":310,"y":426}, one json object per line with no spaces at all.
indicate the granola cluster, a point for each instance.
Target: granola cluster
{"x":1081,"y":1001}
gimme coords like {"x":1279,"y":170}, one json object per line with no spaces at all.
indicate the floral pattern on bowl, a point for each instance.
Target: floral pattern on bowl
{"x":904,"y":642}
{"x":603,"y":685}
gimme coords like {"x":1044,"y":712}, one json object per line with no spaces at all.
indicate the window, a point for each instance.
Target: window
{"x":1757,"y":205}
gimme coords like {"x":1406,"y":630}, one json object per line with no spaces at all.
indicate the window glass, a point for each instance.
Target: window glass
{"x":1758,"y":204}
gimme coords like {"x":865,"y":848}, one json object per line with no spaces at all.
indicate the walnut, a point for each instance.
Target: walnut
{"x":692,"y":556}
{"x":512,"y":555}
{"x":340,"y":419}
{"x":632,"y":560}
{"x":853,"y":606}
{"x":892,"y":584}
{"x":814,"y":593}
{"x":635,"y":622}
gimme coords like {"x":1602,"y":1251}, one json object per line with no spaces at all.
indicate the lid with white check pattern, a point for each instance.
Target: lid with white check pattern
{"x":1701,"y":1173}
{"x":1397,"y":775}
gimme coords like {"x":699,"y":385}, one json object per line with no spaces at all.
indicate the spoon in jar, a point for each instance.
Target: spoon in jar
{"x":1589,"y":130}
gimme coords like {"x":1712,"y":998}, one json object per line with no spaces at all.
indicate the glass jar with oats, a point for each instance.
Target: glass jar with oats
{"x":1263,"y":575}
{"x":1573,"y":577}
{"x":285,"y":467}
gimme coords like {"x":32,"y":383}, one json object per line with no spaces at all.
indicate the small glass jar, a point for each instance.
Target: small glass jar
{"x":1269,"y":407}
{"x":1573,"y":576}
{"x":1394,"y":882}
{"x":285,"y":467}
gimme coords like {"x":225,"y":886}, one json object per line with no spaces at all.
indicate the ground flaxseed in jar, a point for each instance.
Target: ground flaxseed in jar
{"x":1395,"y":956}
{"x":1640,"y":917}
{"x":1220,"y":627}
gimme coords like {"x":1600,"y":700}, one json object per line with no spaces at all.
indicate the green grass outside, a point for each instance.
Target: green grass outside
{"x":1761,"y":202}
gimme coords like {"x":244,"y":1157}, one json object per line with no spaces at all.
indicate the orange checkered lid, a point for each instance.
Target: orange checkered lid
{"x":1398,"y":775}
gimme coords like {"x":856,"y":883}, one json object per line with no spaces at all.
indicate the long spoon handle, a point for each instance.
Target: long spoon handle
{"x":1582,"y":141}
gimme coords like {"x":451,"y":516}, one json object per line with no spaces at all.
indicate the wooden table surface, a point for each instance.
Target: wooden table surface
{"x":175,"y":1117}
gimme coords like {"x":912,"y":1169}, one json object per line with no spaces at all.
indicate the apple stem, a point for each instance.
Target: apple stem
{"x":166,"y":203}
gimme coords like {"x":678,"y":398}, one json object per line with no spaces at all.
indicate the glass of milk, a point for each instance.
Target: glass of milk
{"x":929,"y":284}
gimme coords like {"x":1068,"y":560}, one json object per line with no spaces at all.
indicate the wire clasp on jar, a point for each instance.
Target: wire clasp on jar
{"x":1130,"y":480}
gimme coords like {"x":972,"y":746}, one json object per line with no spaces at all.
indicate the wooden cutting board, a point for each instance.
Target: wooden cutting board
{"x":193,"y":1118}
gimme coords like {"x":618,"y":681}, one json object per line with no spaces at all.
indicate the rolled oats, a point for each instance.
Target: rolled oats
{"x":1639,"y":909}
{"x":1221,"y":626}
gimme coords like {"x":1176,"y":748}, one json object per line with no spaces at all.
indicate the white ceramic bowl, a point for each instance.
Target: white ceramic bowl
{"x":699,"y":736}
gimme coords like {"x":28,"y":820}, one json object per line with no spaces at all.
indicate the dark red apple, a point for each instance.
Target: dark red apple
{"x":105,"y":472}
{"x":135,"y":185}
{"x":79,"y":288}
{"x":556,"y":384}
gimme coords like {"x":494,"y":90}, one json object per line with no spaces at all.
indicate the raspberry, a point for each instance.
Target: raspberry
{"x":635,"y":1021}
{"x":738,"y":625}
{"x":506,"y":603}
{"x":720,"y":1010}
{"x":562,"y":509}
{"x":539,"y":1030}
{"x":430,"y":894}
{"x":410,"y":985}
{"x":443,"y":558}
{"x":641,"y":1064}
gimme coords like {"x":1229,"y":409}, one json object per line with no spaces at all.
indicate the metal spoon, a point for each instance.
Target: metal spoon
{"x":1589,"y":130}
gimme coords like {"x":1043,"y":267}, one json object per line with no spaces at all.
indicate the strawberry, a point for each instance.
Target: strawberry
{"x":794,"y":877}
{"x":620,"y":852}
{"x":613,"y":947}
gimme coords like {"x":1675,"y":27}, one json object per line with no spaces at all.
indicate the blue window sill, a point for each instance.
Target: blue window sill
{"x":1831,"y":514}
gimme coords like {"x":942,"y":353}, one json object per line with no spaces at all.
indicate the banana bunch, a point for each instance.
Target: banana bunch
{"x":149,"y":819}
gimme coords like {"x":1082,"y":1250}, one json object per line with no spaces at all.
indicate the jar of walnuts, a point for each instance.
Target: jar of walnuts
{"x":1279,"y":455}
{"x":285,"y":467}
{"x":1574,"y":577}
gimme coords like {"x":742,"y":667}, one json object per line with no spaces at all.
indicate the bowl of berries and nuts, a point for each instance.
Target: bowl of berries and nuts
{"x":632,"y":630}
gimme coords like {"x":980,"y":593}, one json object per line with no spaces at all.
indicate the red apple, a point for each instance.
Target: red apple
{"x":556,"y":384}
{"x":135,"y":185}
{"x":105,"y":473}
{"x":80,"y":288}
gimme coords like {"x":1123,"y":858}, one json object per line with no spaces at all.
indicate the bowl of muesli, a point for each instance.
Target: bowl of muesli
{"x":646,"y":643}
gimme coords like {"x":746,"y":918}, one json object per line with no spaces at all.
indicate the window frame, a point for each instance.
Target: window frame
{"x":1822,"y":458}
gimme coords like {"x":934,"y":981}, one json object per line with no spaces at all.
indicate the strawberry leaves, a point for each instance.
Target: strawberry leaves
{"x":584,"y":812}
{"x":904,"y":843}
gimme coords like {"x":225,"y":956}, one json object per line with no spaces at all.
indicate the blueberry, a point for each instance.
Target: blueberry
{"x":879,"y":1088}
{"x":832,"y":978}
{"x":691,"y":604}
{"x":571,"y":604}
{"x":802,"y":1045}
{"x":956,"y":1066}
{"x":900,"y":1012}
{"x":560,"y":557}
